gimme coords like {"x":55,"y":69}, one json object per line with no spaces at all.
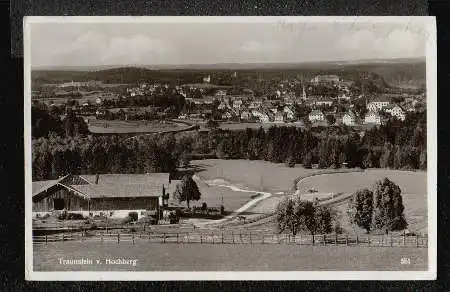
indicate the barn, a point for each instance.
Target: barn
{"x":111,"y":194}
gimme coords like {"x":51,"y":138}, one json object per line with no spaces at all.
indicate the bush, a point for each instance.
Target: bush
{"x":222,"y":210}
{"x":70,"y":216}
{"x":204,"y":206}
{"x":174,"y":217}
{"x":134,"y":216}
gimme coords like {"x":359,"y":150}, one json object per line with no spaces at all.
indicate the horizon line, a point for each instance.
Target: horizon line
{"x":44,"y":67}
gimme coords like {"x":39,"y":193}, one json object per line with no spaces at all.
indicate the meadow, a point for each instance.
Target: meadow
{"x":122,"y":127}
{"x":228,"y":257}
{"x":254,"y":174}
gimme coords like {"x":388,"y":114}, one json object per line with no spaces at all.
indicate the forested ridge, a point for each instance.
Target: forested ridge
{"x":398,"y":145}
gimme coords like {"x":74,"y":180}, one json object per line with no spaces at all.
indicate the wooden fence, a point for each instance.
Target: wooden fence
{"x":241,"y":238}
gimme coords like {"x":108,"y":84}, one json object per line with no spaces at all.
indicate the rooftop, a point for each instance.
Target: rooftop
{"x":111,"y":185}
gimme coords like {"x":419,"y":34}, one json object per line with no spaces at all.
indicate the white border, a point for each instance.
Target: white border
{"x":429,"y":29}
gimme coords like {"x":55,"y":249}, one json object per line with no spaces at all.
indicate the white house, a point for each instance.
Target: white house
{"x":263,"y":117}
{"x":255,"y":104}
{"x":349,"y":119}
{"x":324,"y":101}
{"x":226,"y":115}
{"x":316,"y":116}
{"x":237,"y":104}
{"x":221,"y":93}
{"x":246,"y":115}
{"x":290,"y":114}
{"x":280,"y":117}
{"x":396,"y":111}
{"x":372,"y":117}
{"x":207,"y":79}
{"x":378,"y":104}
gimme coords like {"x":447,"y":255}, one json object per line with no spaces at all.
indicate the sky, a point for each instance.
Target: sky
{"x":112,"y":44}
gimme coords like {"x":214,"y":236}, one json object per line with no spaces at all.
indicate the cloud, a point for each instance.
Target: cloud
{"x":135,"y":49}
{"x":252,"y":46}
{"x":398,"y":43}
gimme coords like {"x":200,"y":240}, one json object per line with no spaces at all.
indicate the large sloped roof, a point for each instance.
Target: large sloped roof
{"x":111,"y":185}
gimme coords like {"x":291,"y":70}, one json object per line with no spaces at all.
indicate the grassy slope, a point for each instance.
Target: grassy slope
{"x":257,"y":175}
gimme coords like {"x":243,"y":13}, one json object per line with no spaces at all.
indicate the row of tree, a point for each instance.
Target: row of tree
{"x":380,"y":209}
{"x":56,"y":156}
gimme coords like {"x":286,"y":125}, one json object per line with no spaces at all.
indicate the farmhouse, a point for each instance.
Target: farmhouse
{"x":378,"y":103}
{"x":316,"y":116}
{"x":112,"y":194}
{"x":372,"y":117}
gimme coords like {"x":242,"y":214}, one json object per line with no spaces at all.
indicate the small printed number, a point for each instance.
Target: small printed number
{"x":405,"y":261}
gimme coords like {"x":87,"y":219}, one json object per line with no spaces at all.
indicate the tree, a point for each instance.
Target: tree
{"x":361,"y":209}
{"x":294,"y":215}
{"x":388,"y":211}
{"x":187,"y":190}
{"x":307,"y":160}
{"x":331,"y":119}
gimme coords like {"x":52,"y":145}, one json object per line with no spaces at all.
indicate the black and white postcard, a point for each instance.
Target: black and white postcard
{"x":230,"y":148}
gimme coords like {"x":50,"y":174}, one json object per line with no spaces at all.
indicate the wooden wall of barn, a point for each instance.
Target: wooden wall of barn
{"x":72,"y":202}
{"x":147,"y":203}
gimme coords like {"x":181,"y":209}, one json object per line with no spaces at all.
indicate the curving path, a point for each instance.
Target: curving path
{"x":265,"y":218}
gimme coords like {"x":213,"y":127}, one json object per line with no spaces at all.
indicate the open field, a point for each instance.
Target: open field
{"x":122,"y":127}
{"x":210,"y":257}
{"x":256,"y":175}
{"x":412,"y":182}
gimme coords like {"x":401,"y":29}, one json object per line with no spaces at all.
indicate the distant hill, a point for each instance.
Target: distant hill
{"x":393,"y":71}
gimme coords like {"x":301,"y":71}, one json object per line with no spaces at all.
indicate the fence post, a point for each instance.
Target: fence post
{"x":240,"y":235}
{"x":187,"y":235}
{"x":251,"y":238}
{"x":404,"y":239}
{"x":222,"y":237}
{"x":164,"y":238}
{"x":132,"y":237}
{"x":324,"y":240}
{"x":263,"y":238}
{"x":357,"y":239}
{"x":63,"y":237}
{"x":118,"y":238}
{"x":368,"y":239}
{"x":391,"y":240}
{"x":177,"y":237}
{"x":335,"y":239}
{"x":212,"y":236}
{"x":201,"y":238}
{"x":417,"y":240}
{"x":101,"y":237}
{"x":313,"y":240}
{"x":232,"y":234}
{"x":46,"y":239}
{"x":346,"y":239}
